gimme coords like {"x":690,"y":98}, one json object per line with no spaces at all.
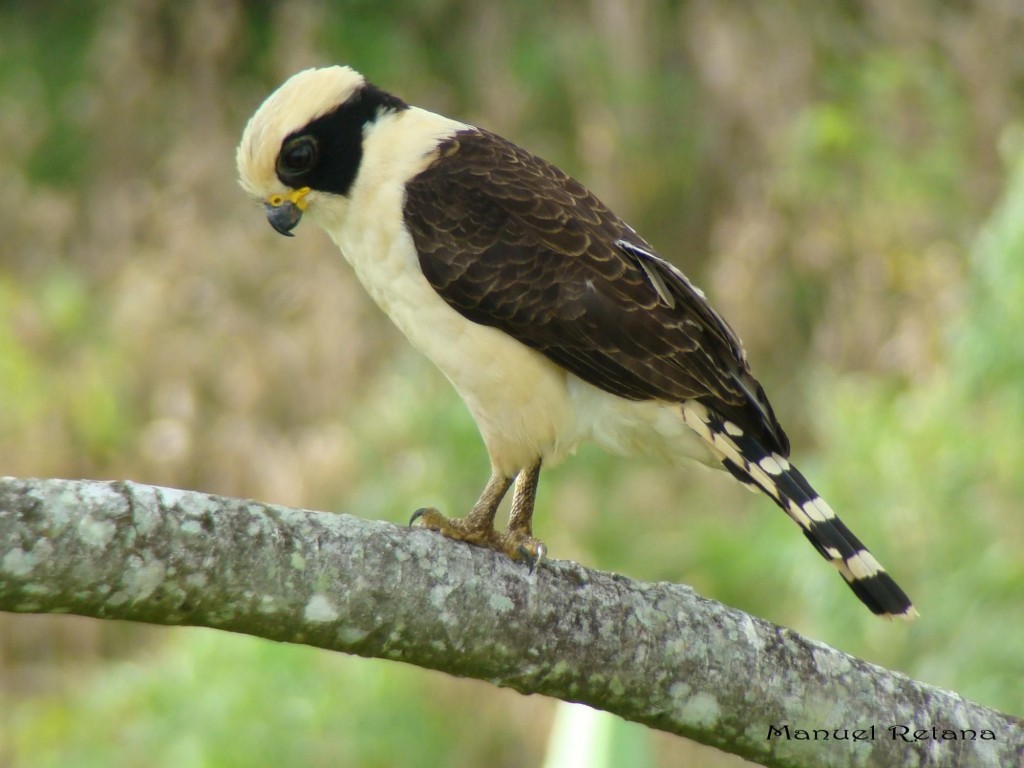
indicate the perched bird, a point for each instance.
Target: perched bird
{"x":553,"y":319}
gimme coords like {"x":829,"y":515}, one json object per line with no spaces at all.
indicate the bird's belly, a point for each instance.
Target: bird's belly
{"x":635,"y":428}
{"x":518,"y":397}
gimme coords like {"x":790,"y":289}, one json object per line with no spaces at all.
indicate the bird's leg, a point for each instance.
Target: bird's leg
{"x":517,"y":541}
{"x":478,"y":526}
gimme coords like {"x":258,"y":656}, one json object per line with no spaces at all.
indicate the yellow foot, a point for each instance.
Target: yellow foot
{"x":460,"y":529}
{"x":521,"y":546}
{"x":516,"y":544}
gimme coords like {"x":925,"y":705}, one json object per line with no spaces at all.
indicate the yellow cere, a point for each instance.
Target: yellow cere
{"x":296,"y":196}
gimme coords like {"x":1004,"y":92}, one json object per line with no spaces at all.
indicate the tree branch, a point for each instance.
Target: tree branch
{"x":658,"y":654}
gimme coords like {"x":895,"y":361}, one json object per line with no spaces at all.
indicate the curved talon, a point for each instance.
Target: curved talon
{"x":532,"y":559}
{"x":420,"y":513}
{"x":542,"y":552}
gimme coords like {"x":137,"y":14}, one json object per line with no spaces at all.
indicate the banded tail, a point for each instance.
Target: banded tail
{"x":753,"y":465}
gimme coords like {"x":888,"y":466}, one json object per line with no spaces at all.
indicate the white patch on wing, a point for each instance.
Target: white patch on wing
{"x":844,"y":571}
{"x":797,"y":513}
{"x":726,"y":446}
{"x":763,"y":479}
{"x":643,"y":259}
{"x":695,"y":415}
{"x":822,"y":506}
{"x":813,"y":511}
{"x":863,"y":565}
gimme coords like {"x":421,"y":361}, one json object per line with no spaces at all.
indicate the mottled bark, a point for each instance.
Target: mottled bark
{"x":658,"y":654}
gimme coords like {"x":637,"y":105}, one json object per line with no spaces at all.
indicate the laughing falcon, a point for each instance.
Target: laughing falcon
{"x":553,"y":319}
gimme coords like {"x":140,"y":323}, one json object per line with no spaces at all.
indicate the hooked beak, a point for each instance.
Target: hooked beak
{"x":285,"y":211}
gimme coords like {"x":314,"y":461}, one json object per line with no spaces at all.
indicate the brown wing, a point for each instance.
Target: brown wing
{"x":510,"y":241}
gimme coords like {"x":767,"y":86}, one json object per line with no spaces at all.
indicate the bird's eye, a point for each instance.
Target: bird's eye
{"x":298,"y":156}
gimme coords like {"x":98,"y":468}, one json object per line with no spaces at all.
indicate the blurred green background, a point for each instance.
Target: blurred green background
{"x":846,"y":181}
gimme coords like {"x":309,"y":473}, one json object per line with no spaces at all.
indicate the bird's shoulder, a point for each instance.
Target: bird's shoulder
{"x":490,"y":188}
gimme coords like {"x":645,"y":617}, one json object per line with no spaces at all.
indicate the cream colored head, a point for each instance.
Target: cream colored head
{"x":303,"y":149}
{"x":300,"y":100}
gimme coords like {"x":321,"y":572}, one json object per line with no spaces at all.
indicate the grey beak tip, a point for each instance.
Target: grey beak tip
{"x":284,"y":217}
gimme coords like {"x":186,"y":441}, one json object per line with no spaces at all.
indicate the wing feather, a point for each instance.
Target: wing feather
{"x":510,"y":241}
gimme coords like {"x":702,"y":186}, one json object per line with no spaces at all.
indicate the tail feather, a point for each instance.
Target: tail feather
{"x":768,"y":471}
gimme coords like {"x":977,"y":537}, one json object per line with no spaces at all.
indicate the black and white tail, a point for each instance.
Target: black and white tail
{"x":765,"y":470}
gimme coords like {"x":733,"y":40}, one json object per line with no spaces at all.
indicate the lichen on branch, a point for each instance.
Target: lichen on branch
{"x":655,"y":653}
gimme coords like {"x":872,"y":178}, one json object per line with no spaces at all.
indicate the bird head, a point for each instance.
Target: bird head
{"x":303,"y":146}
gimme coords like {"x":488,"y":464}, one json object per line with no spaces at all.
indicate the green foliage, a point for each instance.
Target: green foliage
{"x":988,"y":348}
{"x":218,"y":701}
{"x":49,"y":78}
{"x":48,"y":339}
{"x":941,"y":465}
